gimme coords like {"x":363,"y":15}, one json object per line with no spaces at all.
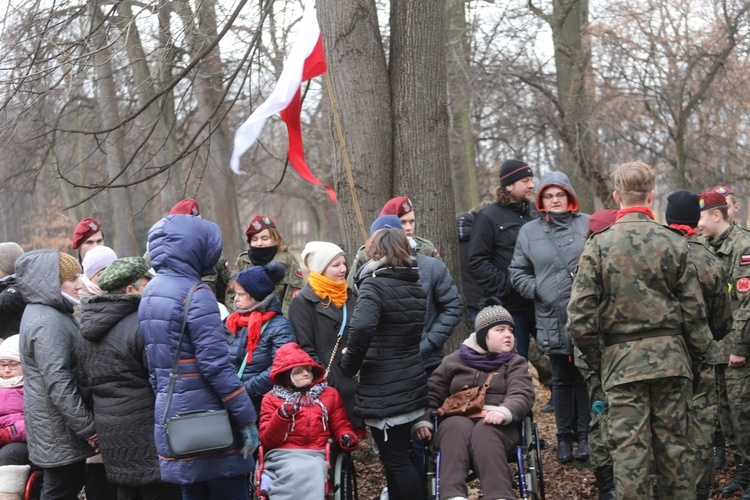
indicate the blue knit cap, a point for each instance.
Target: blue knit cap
{"x":260,"y":281}
{"x":385,"y":222}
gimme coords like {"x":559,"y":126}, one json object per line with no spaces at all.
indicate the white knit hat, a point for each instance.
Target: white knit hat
{"x":9,"y":348}
{"x":97,"y":259}
{"x":318,"y":255}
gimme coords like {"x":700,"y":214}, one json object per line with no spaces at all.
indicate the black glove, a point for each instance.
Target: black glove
{"x":348,"y":441}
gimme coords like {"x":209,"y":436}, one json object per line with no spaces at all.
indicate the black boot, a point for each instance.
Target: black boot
{"x":739,"y":482}
{"x":564,"y":450}
{"x":582,"y":452}
{"x":703,"y":494}
{"x":720,"y":451}
{"x":605,"y":482}
{"x":550,"y":406}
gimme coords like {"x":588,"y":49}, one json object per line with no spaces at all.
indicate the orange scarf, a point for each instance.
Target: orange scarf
{"x":254,"y":322}
{"x":323,"y":287}
{"x":634,"y":210}
{"x":686,"y":230}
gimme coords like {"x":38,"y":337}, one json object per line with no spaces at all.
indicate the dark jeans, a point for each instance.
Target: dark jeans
{"x":14,"y":454}
{"x":64,"y":483}
{"x":224,"y":488}
{"x":158,"y":491}
{"x":570,"y":397}
{"x":403,"y":480}
{"x":524,"y":326}
{"x":98,"y":486}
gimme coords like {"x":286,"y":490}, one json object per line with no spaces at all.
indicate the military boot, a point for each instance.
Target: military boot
{"x":720,"y":451}
{"x":739,"y":482}
{"x":605,"y":482}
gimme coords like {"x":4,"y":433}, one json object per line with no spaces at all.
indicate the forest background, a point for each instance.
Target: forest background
{"x":116,"y":110}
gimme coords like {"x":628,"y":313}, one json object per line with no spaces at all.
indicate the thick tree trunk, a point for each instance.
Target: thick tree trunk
{"x":359,"y":80}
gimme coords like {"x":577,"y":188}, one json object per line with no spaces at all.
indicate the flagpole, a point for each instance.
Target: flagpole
{"x":346,"y":156}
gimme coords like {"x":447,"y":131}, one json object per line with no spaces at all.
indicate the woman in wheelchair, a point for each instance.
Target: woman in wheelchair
{"x":483,"y":437}
{"x":297,"y":418}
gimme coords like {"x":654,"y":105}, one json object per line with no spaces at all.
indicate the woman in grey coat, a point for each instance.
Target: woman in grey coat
{"x":544,"y":262}
{"x":59,"y":426}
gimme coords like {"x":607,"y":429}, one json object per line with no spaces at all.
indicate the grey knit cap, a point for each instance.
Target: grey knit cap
{"x":9,"y":252}
{"x":487,"y":318}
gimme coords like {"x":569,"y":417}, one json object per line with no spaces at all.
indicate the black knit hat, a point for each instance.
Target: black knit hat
{"x":487,"y":318}
{"x":260,"y":281}
{"x":683,"y":207}
{"x":514,"y":170}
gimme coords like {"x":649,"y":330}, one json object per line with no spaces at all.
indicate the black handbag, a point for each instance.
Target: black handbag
{"x":196,"y":432}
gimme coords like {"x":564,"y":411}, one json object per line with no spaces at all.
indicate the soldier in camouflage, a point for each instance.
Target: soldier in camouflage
{"x":637,"y":295}
{"x":683,"y":213}
{"x":733,"y":206}
{"x":732,"y":246}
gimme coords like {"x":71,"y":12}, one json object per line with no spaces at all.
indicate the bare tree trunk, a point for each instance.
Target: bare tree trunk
{"x":359,"y":81}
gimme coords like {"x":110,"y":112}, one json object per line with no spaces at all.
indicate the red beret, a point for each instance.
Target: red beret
{"x":398,"y":206}
{"x":84,"y":230}
{"x":712,"y":199}
{"x":258,"y":224}
{"x":188,"y":206}
{"x":725,"y":190}
{"x":602,"y":219}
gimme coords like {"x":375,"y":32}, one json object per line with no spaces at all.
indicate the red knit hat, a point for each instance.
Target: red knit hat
{"x":399,"y":206}
{"x":84,"y":230}
{"x":188,"y":206}
{"x":712,"y":199}
{"x":257,"y":224}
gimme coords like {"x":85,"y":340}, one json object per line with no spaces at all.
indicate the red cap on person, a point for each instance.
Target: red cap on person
{"x":188,"y":206}
{"x":84,"y":230}
{"x":602,"y":219}
{"x":399,"y":206}
{"x":725,"y":190}
{"x":257,"y":224}
{"x":712,"y":199}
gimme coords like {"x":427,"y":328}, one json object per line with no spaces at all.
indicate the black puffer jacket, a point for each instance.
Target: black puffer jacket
{"x":113,"y":366}
{"x":12,"y":306}
{"x":383,"y":345}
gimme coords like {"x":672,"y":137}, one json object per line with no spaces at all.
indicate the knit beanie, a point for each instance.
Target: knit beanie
{"x":318,"y":255}
{"x":257,"y":224}
{"x":97,"y":259}
{"x":487,"y":318}
{"x":69,"y":267}
{"x":712,"y":199}
{"x":683,"y":207}
{"x":602,"y":219}
{"x":385,"y":222}
{"x":188,"y":206}
{"x":399,"y":206}
{"x":9,"y":348}
{"x":260,"y":281}
{"x":514,"y":170}
{"x":84,"y":230}
{"x":9,"y":252}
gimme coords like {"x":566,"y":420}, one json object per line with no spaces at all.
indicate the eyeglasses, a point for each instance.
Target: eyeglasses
{"x":723,"y":190}
{"x":559,"y":196}
{"x":12,"y":365}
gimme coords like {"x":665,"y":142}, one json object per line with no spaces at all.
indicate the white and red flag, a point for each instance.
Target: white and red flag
{"x":306,"y":60}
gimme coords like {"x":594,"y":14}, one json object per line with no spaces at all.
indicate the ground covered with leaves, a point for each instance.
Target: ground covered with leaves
{"x":572,"y":481}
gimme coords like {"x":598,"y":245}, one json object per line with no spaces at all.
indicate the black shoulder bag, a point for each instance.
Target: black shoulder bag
{"x":196,"y":432}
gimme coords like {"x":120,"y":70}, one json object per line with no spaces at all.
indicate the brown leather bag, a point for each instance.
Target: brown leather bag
{"x":466,"y":401}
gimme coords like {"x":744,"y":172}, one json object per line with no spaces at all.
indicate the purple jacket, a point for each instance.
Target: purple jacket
{"x":184,"y":248}
{"x":11,"y":412}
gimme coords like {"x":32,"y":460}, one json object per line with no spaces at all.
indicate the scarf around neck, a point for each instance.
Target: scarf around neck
{"x":10,"y":383}
{"x":325,"y":288}
{"x":254,"y":322}
{"x":260,"y":256}
{"x":487,"y":361}
{"x":686,"y":230}
{"x":634,"y":210}
{"x":306,"y":398}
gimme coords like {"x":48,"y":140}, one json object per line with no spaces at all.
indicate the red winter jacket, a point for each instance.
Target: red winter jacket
{"x":308,"y":430}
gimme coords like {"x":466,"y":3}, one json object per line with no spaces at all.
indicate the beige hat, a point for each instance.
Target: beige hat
{"x":318,"y":255}
{"x":69,"y":267}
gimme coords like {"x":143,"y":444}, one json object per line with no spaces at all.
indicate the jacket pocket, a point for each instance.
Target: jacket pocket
{"x":549,"y":335}
{"x":508,"y":233}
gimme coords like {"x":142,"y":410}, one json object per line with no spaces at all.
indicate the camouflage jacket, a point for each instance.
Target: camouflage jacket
{"x":285,"y":291}
{"x":715,"y":293}
{"x":637,"y":295}
{"x":733,"y":248}
{"x":424,"y":246}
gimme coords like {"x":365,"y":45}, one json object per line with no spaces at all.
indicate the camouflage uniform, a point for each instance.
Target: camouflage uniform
{"x":424,"y":246}
{"x":599,"y":448}
{"x":734,"y":383}
{"x":637,"y":294}
{"x":715,"y":294}
{"x":285,"y":291}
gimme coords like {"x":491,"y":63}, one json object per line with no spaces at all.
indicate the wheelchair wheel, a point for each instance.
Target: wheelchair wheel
{"x":533,"y":452}
{"x":345,"y":478}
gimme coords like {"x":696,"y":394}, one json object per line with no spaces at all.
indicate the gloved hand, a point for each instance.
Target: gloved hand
{"x":348,"y":441}
{"x":288,"y":409}
{"x":251,"y":441}
{"x":4,"y":436}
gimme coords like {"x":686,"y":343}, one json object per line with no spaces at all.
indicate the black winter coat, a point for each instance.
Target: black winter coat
{"x":12,"y":306}
{"x":113,"y":366}
{"x":493,"y":239}
{"x":383,"y":344}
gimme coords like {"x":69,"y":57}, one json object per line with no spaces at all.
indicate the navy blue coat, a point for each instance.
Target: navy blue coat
{"x":184,"y":248}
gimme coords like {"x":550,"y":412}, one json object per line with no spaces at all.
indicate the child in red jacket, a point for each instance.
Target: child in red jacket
{"x":297,"y":418}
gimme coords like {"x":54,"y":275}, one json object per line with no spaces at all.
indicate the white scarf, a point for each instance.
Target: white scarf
{"x":10,"y":383}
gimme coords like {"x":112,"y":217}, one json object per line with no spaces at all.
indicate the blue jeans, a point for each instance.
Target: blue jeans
{"x":223,"y":488}
{"x":524,"y":327}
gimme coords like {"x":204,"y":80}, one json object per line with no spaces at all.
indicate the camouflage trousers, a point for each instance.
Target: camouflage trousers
{"x":703,"y":423}
{"x":733,"y":387}
{"x":599,"y":453}
{"x":648,"y":422}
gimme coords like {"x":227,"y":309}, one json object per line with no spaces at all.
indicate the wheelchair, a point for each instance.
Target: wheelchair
{"x":341,"y":483}
{"x":527,"y":455}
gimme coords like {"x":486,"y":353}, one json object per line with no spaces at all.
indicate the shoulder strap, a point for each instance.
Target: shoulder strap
{"x":176,"y":363}
{"x":241,"y":371}
{"x":338,"y":339}
{"x":548,"y":230}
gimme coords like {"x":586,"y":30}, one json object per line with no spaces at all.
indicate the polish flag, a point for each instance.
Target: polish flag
{"x":305,"y":61}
